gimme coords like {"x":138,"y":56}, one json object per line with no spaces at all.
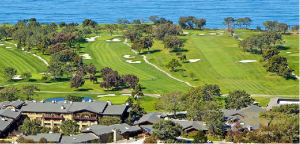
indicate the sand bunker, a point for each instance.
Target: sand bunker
{"x":114,"y":40}
{"x":194,"y":60}
{"x":247,"y":61}
{"x":2,"y":44}
{"x":8,"y":47}
{"x":221,"y":33}
{"x":289,"y":52}
{"x":86,"y":56}
{"x":92,"y":38}
{"x":16,"y":77}
{"x":130,"y":61}
{"x":212,"y":33}
{"x":201,"y":34}
{"x":185,"y":32}
{"x":128,"y":56}
{"x":106,"y":95}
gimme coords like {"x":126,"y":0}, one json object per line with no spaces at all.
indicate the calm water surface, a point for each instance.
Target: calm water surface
{"x":107,"y":11}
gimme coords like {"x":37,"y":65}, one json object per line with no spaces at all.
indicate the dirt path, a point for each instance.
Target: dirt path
{"x":145,"y":59}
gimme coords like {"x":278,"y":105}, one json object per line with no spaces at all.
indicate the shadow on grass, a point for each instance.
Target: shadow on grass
{"x":283,"y":47}
{"x":151,"y":51}
{"x":86,"y":89}
{"x":195,"y":79}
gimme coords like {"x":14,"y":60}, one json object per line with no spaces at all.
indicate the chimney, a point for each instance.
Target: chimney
{"x":65,"y":101}
{"x":90,"y":100}
{"x":117,"y":134}
{"x":127,"y":103}
{"x":53,"y":101}
{"x":71,"y":102}
{"x":50,"y":132}
{"x":88,"y":128}
{"x":83,"y":100}
{"x":62,"y":107}
{"x":34,"y":101}
{"x":3,"y":119}
{"x":108,"y":102}
{"x":42,"y":101}
{"x":14,"y":110}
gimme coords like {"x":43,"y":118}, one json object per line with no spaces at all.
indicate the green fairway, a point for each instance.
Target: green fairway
{"x":21,"y":61}
{"x":220,"y":65}
{"x":110,"y":54}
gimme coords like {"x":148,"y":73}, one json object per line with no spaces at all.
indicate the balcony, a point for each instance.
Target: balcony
{"x":53,"y":117}
{"x":84,"y":118}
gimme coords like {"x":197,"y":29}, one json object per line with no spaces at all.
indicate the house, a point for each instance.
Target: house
{"x":280,"y":101}
{"x":85,"y":113}
{"x":148,"y":119}
{"x":10,"y":119}
{"x":117,"y":131}
{"x":189,"y":126}
{"x":50,"y":137}
{"x":59,"y":138}
{"x":248,"y":117}
{"x":14,"y":104}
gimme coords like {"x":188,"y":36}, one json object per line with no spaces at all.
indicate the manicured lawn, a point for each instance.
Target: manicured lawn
{"x":110,"y":54}
{"x":220,"y":65}
{"x":21,"y":61}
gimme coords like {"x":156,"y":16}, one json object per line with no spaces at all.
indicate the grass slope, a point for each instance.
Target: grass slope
{"x":220,"y":65}
{"x":110,"y":54}
{"x":21,"y":61}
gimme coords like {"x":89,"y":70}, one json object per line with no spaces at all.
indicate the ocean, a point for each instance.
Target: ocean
{"x":108,"y":11}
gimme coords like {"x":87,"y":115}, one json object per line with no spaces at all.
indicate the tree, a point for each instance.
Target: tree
{"x":238,"y":99}
{"x":295,"y":28}
{"x":278,"y":64}
{"x":9,"y":73}
{"x":55,"y":129}
{"x":89,"y":22}
{"x":131,"y":80}
{"x":62,"y":24}
{"x":109,"y":121}
{"x":32,"y":127}
{"x":282,"y":27}
{"x":240,"y":22}
{"x":110,"y":28}
{"x":78,"y":46}
{"x":27,"y":75}
{"x":129,"y":101}
{"x":214,"y":120}
{"x":29,"y":91}
{"x":111,"y":79}
{"x":171,"y":102}
{"x":69,"y":127}
{"x":173,"y":64}
{"x":92,"y":69}
{"x":269,"y":54}
{"x":183,"y":58}
{"x":86,"y":31}
{"x":200,"y":23}
{"x":9,"y":94}
{"x":200,"y":137}
{"x":166,"y":29}
{"x":147,"y":42}
{"x":93,"y":79}
{"x":136,"y":21}
{"x":74,"y":98}
{"x":137,"y":92}
{"x":150,"y":139}
{"x":172,"y":42}
{"x":247,"y":22}
{"x":192,"y":75}
{"x":42,"y":140}
{"x":55,"y":67}
{"x":166,"y":129}
{"x":76,"y":82}
{"x":229,"y":21}
{"x":68,"y":70}
{"x":137,"y":45}
{"x":153,"y":18}
{"x":44,"y":79}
